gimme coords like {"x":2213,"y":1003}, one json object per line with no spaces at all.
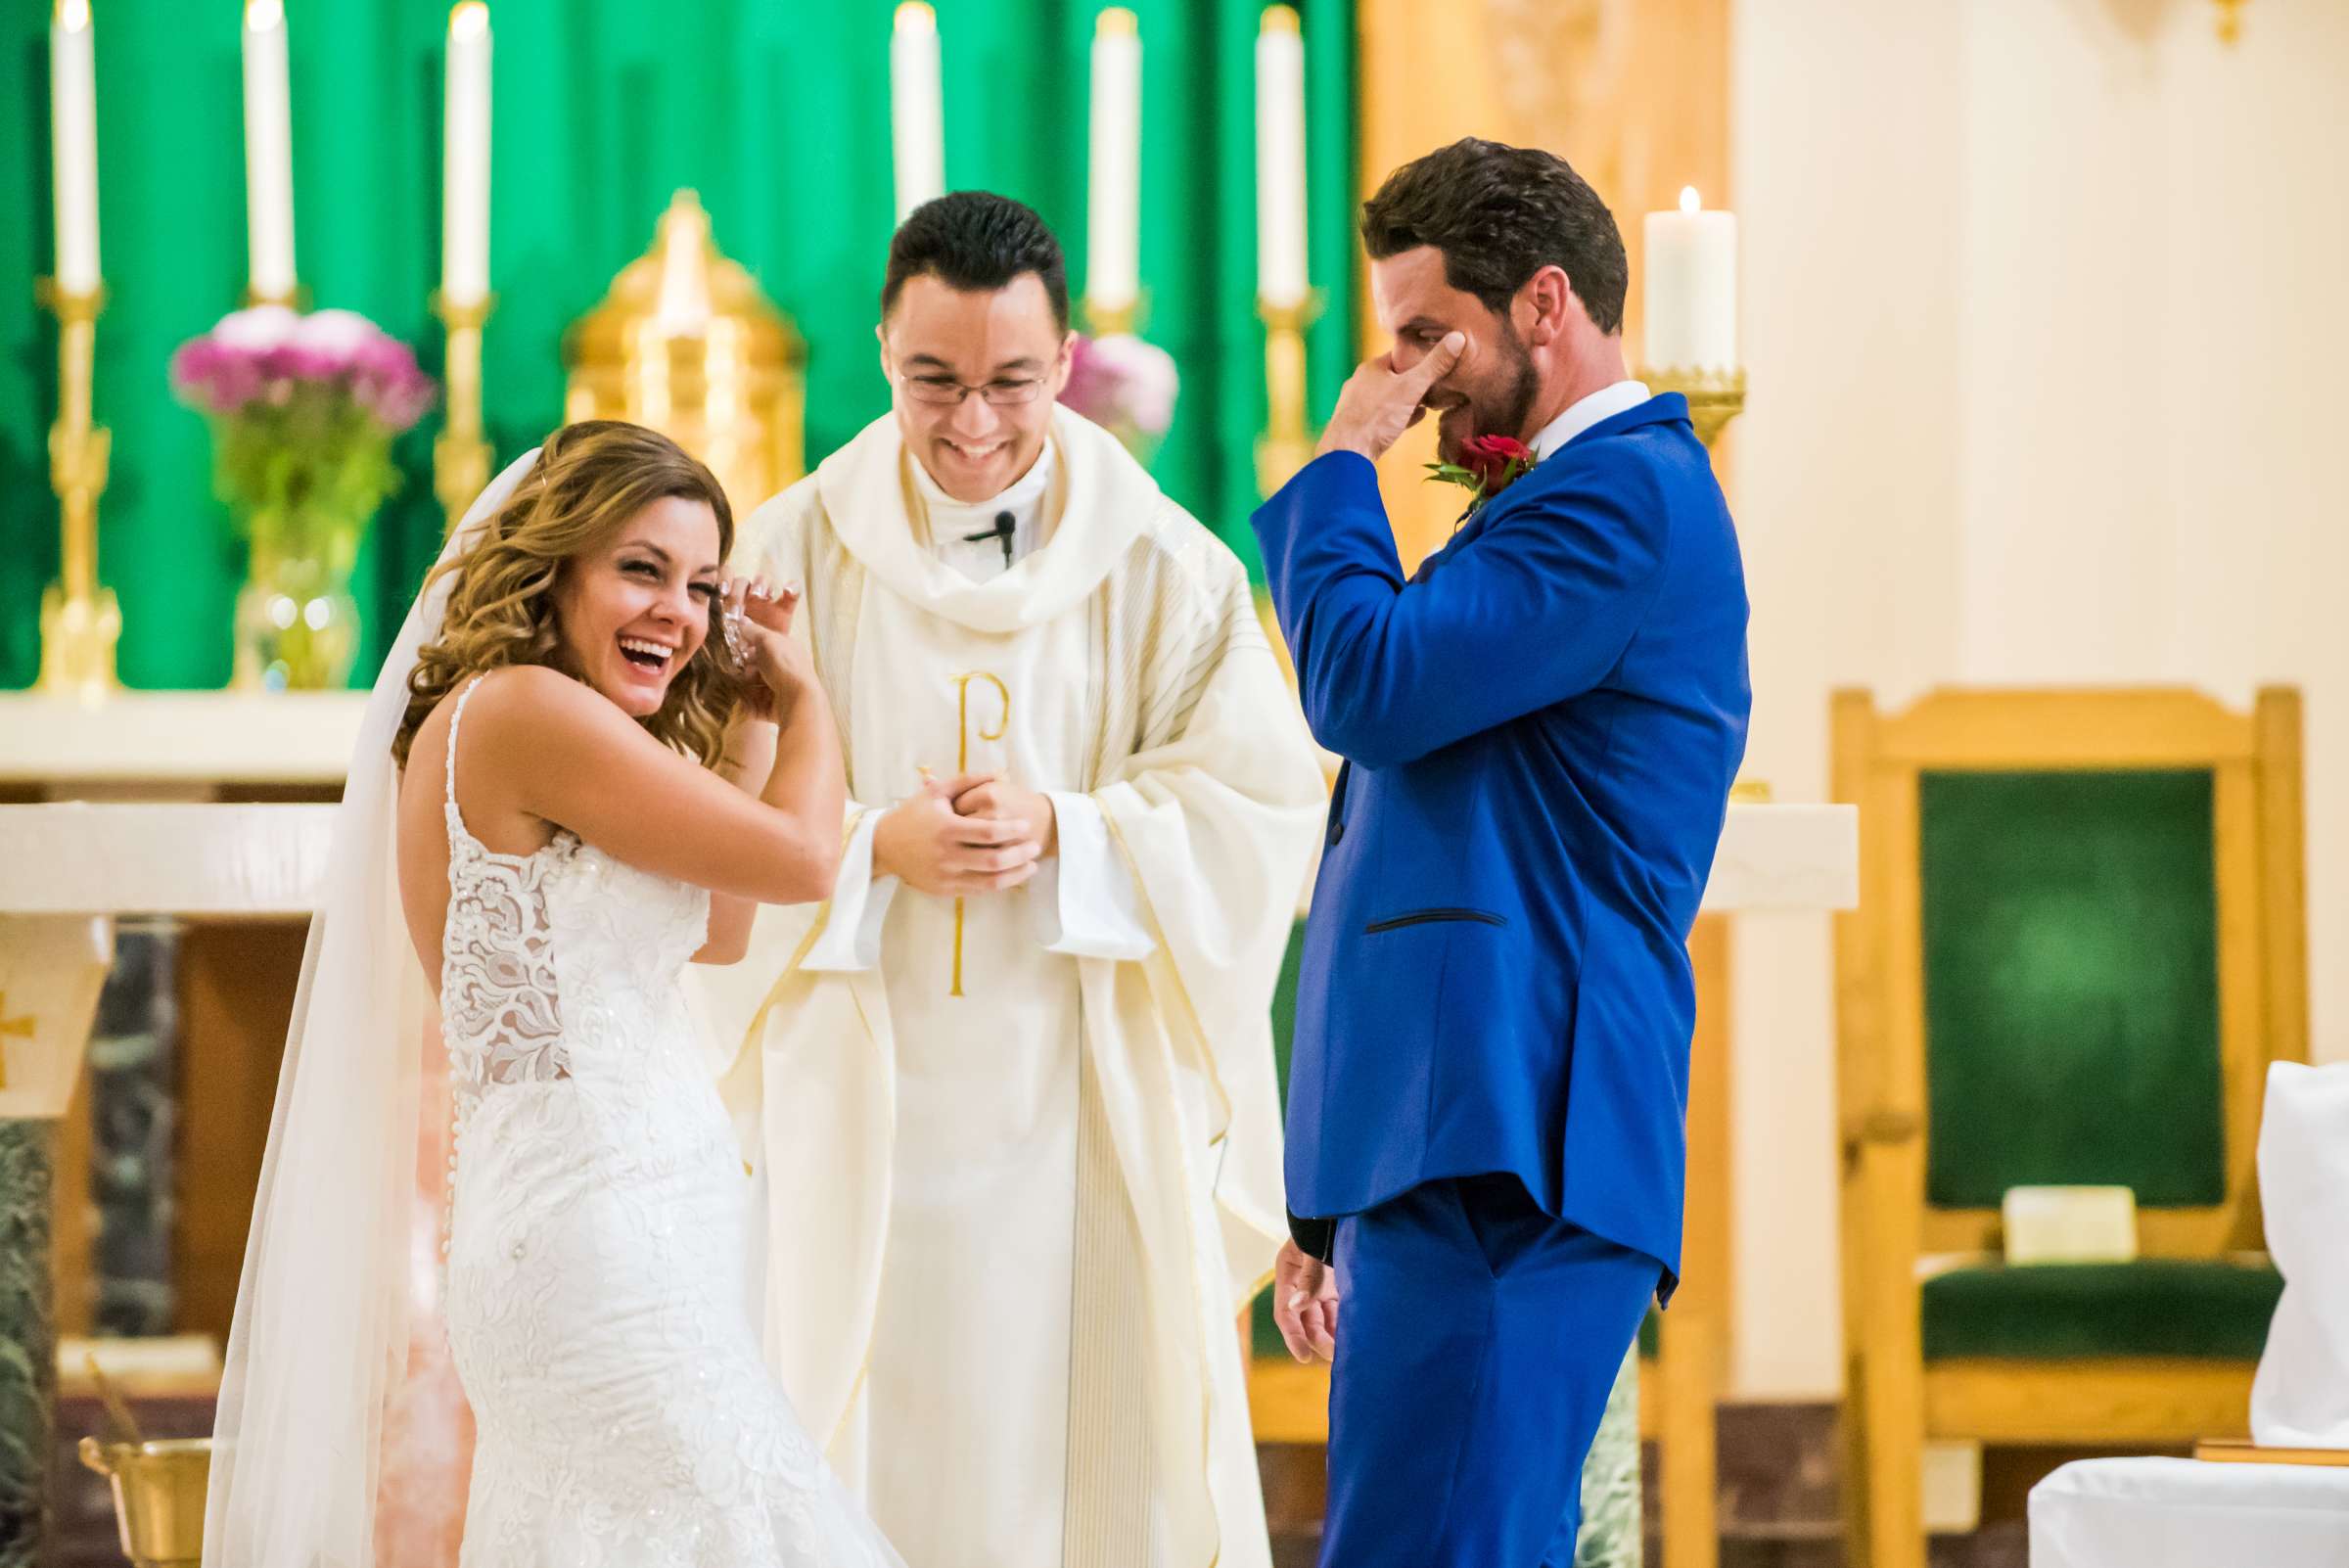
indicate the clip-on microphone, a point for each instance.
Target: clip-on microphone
{"x":1006,"y":527}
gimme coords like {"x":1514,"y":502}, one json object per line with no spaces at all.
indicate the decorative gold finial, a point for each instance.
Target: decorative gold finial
{"x":2231,"y":21}
{"x":685,"y":344}
{"x":917,"y":15}
{"x":1280,"y":18}
{"x":1117,"y":21}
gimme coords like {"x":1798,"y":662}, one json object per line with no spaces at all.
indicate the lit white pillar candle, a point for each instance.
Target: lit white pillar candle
{"x":73,"y":150}
{"x":465,"y":158}
{"x":1114,"y":198}
{"x":268,"y":152}
{"x":1691,"y":284}
{"x":1280,"y":270}
{"x":917,"y":111}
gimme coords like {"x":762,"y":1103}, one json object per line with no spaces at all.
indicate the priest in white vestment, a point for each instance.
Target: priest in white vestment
{"x":1017,"y":1118}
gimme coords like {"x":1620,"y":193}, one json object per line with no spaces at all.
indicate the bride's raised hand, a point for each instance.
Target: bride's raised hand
{"x":757,"y":621}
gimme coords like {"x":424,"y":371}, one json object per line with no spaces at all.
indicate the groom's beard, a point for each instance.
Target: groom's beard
{"x":1487,"y":414}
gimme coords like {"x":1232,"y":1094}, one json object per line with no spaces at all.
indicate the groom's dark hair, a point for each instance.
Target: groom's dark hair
{"x":973,"y":240}
{"x":1499,"y":215}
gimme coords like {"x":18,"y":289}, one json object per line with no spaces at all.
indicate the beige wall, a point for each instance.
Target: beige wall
{"x":2045,"y":317}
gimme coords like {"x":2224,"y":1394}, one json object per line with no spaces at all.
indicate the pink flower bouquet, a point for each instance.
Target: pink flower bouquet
{"x":1126,"y":386}
{"x":303,"y":410}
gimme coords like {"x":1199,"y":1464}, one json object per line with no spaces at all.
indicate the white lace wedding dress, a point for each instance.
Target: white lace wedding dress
{"x":597,"y":1301}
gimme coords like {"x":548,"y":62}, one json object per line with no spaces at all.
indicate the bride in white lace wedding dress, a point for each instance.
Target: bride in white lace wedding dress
{"x":596,"y":1290}
{"x":557,"y":860}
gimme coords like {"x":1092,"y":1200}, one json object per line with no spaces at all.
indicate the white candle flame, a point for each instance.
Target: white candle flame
{"x":263,"y":15}
{"x":470,"y":19}
{"x":1691,"y":202}
{"x":72,"y":16}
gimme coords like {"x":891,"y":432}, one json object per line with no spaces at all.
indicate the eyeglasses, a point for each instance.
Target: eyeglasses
{"x":944,"y":391}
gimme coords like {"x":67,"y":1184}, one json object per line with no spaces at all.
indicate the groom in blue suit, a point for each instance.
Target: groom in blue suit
{"x":1539,"y":727}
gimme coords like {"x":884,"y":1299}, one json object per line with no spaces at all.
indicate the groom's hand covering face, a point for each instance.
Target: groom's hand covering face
{"x":973,"y":375}
{"x":1491,"y":390}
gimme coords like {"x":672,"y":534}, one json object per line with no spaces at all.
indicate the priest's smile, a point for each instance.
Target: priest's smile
{"x":975,"y":372}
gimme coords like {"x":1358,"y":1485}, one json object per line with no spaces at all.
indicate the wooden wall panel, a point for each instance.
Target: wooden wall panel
{"x":237,"y":986}
{"x":1633,"y":93}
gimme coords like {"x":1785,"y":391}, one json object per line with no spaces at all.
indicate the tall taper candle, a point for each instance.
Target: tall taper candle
{"x":74,"y":151}
{"x":1691,"y":284}
{"x":1280,"y":267}
{"x":268,"y":153}
{"x":465,"y":158}
{"x":1114,"y":207}
{"x":917,"y":111}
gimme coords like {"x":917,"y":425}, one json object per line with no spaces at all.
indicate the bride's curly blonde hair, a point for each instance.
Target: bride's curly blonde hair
{"x":590,"y":479}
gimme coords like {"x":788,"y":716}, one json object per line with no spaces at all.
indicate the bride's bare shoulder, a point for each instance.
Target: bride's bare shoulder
{"x":529,"y":712}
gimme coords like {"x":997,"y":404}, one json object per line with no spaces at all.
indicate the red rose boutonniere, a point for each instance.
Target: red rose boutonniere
{"x":1488,"y":464}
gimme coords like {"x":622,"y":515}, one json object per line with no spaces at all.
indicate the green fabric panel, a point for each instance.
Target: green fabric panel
{"x":2058,"y":1312}
{"x":1651,"y":1335}
{"x":778,"y":114}
{"x":2071,"y":985}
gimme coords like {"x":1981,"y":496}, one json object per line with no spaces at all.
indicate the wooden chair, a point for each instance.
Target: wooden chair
{"x":2080,"y":941}
{"x":1683,"y":1351}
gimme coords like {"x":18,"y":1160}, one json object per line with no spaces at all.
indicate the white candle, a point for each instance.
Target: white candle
{"x":74,"y":137}
{"x":1691,"y":283}
{"x":1281,"y":272}
{"x":917,"y":111}
{"x":465,"y":158}
{"x":268,"y":152}
{"x":1114,"y":209}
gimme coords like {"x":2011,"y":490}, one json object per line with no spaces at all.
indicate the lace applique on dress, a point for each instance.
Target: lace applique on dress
{"x":499,"y":1000}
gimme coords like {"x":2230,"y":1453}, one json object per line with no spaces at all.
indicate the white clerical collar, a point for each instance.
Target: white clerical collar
{"x":1584,"y":412}
{"x":952,"y":523}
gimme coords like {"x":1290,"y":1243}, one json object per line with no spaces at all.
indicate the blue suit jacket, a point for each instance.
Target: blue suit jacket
{"x":1541,"y":729}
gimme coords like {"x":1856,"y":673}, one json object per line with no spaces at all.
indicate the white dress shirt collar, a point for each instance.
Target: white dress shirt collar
{"x":1583,"y":414}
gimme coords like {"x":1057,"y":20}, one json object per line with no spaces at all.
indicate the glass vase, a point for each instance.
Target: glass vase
{"x":297,"y":625}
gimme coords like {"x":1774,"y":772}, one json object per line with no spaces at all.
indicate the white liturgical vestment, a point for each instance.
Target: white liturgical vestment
{"x":1021,"y":1150}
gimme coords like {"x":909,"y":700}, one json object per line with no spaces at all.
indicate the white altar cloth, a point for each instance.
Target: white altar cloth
{"x":2188,"y":1513}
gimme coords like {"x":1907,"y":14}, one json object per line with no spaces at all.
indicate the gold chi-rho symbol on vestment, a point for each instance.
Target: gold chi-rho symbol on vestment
{"x":962,"y":764}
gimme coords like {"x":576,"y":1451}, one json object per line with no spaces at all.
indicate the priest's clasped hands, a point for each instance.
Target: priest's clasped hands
{"x":972,"y":832}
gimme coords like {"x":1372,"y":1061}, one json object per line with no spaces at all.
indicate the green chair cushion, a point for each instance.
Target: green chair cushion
{"x":2070,"y":924}
{"x":2062,"y":1312}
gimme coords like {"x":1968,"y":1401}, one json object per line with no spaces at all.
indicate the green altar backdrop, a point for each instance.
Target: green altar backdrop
{"x":777,"y":112}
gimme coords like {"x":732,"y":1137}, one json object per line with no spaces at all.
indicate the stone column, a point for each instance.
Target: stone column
{"x":134,"y":1117}
{"x":27,"y":1354}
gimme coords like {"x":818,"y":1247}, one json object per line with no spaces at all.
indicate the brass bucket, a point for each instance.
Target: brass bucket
{"x":159,"y":1497}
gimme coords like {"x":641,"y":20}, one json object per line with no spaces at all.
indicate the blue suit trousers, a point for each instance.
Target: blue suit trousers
{"x":1478,"y":1339}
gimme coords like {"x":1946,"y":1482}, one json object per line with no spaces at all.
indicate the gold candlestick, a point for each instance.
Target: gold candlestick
{"x":1287,"y":443}
{"x":460,"y":454}
{"x":80,"y":622}
{"x":1715,"y":397}
{"x":1112,"y":321}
